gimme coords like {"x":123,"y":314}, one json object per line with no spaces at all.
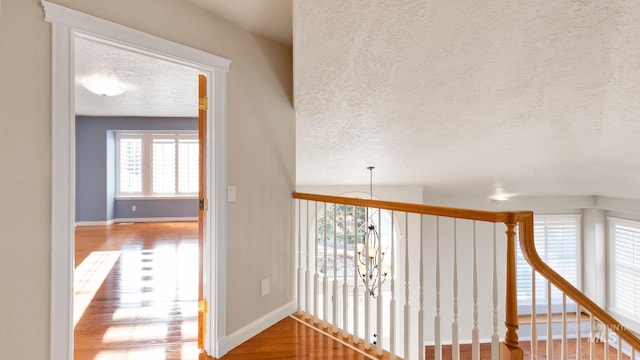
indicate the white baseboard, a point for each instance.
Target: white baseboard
{"x":134,"y":220}
{"x":247,"y":332}
{"x":154,"y":219}
{"x":93,"y":223}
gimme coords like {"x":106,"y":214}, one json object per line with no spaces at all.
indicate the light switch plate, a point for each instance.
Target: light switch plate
{"x":265,"y":287}
{"x":231,"y":193}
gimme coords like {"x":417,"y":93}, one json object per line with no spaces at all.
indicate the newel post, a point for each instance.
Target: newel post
{"x":510,"y":349}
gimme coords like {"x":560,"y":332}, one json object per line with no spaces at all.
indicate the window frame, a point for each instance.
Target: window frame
{"x":147,"y":137}
{"x":624,"y":317}
{"x":386,"y":216}
{"x":556,"y":306}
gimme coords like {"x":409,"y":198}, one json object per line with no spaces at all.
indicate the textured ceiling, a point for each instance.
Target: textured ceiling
{"x":532,"y":97}
{"x":153,"y":87}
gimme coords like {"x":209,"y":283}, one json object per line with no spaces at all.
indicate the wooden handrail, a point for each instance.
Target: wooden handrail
{"x":527,"y":245}
{"x":480,"y":215}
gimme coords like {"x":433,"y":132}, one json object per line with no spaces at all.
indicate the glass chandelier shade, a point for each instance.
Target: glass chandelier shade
{"x":371,"y":254}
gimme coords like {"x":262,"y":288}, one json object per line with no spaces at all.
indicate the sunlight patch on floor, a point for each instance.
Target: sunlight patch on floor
{"x":88,"y":278}
{"x":132,"y":333}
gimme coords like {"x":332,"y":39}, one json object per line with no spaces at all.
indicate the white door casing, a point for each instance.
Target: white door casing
{"x":66,"y":25}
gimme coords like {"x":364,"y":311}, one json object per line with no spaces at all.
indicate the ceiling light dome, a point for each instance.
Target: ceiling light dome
{"x":104,"y":86}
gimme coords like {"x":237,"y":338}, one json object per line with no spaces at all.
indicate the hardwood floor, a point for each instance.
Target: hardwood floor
{"x":136,"y":291}
{"x":141,"y":284}
{"x":485,"y":351}
{"x":291,"y":339}
{"x":145,"y":305}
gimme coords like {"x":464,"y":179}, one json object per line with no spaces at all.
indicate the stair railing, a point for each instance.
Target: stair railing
{"x":446,"y":263}
{"x":614,"y":340}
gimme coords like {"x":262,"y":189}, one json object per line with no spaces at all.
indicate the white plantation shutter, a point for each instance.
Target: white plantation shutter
{"x":157,"y":163}
{"x":188,"y":169}
{"x":130,"y":165}
{"x":626,"y":267}
{"x":163,"y":166}
{"x":557,"y":238}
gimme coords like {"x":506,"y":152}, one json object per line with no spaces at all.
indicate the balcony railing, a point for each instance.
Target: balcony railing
{"x":450,"y":284}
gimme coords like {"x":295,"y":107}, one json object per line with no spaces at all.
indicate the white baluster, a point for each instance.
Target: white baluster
{"x":325,"y":279}
{"x":379,"y":313}
{"x":495,"y":337}
{"x":563,"y":347}
{"x":455,"y":349}
{"x":475,"y":341}
{"x":299,"y":278}
{"x":578,"y":333}
{"x":307,"y":306}
{"x":592,"y":337}
{"x":356,"y":300}
{"x":619,"y":345}
{"x":367,"y":296}
{"x":549,"y":323}
{"x":316,"y":279}
{"x":438,"y":342}
{"x":407,"y":306}
{"x":421,"y":309}
{"x":534,"y":318}
{"x":606,"y":343}
{"x":345,"y":285}
{"x":392,"y":302}
{"x":334,"y":296}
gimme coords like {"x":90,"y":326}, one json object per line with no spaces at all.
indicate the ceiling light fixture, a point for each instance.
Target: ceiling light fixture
{"x":499,"y":197}
{"x":105,"y":86}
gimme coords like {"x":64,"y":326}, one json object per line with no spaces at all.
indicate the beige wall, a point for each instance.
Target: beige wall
{"x":261,"y":159}
{"x":24,"y":181}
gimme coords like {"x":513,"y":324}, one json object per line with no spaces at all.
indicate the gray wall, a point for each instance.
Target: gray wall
{"x":95,"y":170}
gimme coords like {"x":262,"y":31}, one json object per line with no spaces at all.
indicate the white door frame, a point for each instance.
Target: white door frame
{"x":66,"y":25}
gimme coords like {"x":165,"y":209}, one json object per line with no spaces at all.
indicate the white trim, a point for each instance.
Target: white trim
{"x":62,"y":195}
{"x":68,"y":24}
{"x":217,"y":226}
{"x":135,"y":220}
{"x":144,"y":198}
{"x":133,"y":39}
{"x":247,"y":332}
{"x":94,"y":223}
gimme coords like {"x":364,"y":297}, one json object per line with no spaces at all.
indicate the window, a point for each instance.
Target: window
{"x":625,"y":267}
{"x":557,"y":238}
{"x":155,"y":163}
{"x":350,"y":224}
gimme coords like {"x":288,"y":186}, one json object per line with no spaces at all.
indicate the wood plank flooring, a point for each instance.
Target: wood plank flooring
{"x":291,"y":339}
{"x":485,"y":351}
{"x":146,"y":307}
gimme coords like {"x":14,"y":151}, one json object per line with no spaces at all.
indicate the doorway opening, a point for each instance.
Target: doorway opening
{"x":137,"y":246}
{"x":67,"y":26}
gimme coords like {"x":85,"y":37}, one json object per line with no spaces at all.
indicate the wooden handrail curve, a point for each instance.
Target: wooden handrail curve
{"x":527,"y":246}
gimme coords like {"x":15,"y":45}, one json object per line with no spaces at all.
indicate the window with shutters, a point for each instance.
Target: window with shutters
{"x":557,"y":239}
{"x":157,"y":164}
{"x":624,"y":285}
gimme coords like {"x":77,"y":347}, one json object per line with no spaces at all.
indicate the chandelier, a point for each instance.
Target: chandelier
{"x":371,"y":253}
